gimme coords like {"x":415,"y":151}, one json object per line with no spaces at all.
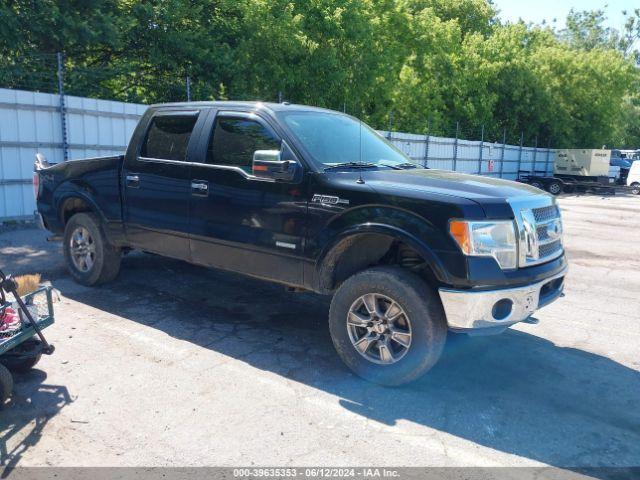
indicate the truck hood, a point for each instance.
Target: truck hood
{"x":490,"y":193}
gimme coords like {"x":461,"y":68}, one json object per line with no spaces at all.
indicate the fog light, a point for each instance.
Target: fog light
{"x":502,"y":309}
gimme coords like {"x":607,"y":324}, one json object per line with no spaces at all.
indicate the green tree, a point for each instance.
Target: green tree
{"x":428,"y":64}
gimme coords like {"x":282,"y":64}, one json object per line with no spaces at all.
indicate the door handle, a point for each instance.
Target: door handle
{"x":133,"y":180}
{"x":200,"y":188}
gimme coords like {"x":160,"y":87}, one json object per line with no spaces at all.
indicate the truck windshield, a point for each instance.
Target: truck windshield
{"x":333,"y":140}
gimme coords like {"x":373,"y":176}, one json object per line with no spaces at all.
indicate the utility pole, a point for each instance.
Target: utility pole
{"x":426,"y":146}
{"x":63,"y":108}
{"x":504,"y":144}
{"x":481,"y":150}
{"x":520,"y":152}
{"x":455,"y":147}
{"x":188,"y":88}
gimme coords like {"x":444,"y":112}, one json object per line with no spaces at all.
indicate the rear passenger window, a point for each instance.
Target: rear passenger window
{"x":168,"y":137}
{"x":235,"y":139}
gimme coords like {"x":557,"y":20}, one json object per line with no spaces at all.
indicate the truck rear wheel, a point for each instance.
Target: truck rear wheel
{"x":90,"y":259}
{"x":635,"y":188}
{"x":387,"y":325}
{"x":554,"y":187}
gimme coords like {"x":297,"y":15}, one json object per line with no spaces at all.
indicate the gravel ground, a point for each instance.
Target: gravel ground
{"x":174,"y":364}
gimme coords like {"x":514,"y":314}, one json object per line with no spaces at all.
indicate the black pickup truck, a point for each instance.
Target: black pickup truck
{"x":316,"y":200}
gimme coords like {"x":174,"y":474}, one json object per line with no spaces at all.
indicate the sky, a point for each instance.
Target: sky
{"x":538,"y":10}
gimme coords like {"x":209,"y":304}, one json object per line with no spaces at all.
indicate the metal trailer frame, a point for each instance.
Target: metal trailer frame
{"x":30,"y":328}
{"x":556,"y":184}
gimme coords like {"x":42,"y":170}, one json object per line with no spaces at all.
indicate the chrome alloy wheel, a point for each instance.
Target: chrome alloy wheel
{"x":82,"y":249}
{"x":379,"y":329}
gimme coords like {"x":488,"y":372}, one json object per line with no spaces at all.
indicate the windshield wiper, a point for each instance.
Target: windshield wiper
{"x":399,"y":166}
{"x":351,"y":165}
{"x":395,"y":167}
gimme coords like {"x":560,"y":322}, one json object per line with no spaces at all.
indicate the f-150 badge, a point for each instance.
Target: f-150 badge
{"x":328,"y":200}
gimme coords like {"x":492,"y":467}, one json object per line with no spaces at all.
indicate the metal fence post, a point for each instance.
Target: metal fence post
{"x":426,"y":144}
{"x":280,"y":97}
{"x":63,"y":108}
{"x":481,"y":150}
{"x":455,"y":148}
{"x":188,"y":88}
{"x":504,"y":144}
{"x":520,"y":152}
{"x":390,"y":125}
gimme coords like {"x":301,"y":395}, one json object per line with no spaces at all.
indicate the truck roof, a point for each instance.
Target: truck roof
{"x":254,"y":105}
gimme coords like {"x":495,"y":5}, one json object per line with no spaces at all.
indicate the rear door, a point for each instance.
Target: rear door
{"x":241,"y":222}
{"x":157,"y":183}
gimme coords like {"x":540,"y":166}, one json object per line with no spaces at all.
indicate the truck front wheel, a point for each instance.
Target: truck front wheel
{"x":91,"y":260}
{"x":635,"y":188}
{"x":387,"y":325}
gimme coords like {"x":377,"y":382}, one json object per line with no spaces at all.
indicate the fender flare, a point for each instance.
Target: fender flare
{"x":396,"y":233}
{"x":77,"y":194}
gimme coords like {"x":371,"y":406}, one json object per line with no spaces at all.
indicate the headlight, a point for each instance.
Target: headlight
{"x":487,"y":239}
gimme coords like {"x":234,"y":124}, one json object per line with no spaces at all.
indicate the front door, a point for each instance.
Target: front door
{"x":157,"y":187}
{"x":238,"y":221}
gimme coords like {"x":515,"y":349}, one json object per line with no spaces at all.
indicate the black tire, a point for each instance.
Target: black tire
{"x":537,"y":184}
{"x":105,"y":265}
{"x":22,"y":365}
{"x":423,"y":309}
{"x":6,"y":385}
{"x":635,"y":188}
{"x":554,"y":187}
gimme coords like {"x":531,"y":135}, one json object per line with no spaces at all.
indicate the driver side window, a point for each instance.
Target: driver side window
{"x":235,"y":139}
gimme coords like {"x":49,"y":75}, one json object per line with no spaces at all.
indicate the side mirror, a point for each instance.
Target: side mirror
{"x":41,"y":162}
{"x":269,"y":164}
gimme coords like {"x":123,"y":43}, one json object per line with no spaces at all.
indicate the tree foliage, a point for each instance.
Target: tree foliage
{"x":421,"y":65}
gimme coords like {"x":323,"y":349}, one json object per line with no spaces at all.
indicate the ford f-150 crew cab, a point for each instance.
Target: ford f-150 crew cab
{"x":316,"y":200}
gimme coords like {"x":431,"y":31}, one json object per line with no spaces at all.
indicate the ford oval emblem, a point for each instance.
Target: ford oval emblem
{"x":554,"y":229}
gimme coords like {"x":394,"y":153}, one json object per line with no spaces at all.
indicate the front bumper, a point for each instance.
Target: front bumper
{"x":484,"y":309}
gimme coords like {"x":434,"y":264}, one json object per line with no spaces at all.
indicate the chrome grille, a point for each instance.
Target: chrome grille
{"x":539,"y":229}
{"x":542,"y":232}
{"x":545,"y":214}
{"x":549,"y":249}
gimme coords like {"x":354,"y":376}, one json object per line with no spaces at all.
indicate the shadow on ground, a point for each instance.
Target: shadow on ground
{"x":515,"y":392}
{"x":33,"y":404}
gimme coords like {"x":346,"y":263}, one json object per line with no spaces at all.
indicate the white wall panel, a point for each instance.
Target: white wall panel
{"x":30,"y":122}
{"x":440,"y":152}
